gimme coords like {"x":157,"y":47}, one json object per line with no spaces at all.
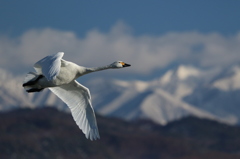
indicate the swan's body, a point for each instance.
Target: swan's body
{"x":60,"y":77}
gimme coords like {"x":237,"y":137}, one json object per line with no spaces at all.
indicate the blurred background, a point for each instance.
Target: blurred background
{"x":179,"y":99}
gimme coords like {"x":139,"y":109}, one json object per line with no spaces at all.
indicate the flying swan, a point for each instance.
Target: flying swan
{"x":60,"y":77}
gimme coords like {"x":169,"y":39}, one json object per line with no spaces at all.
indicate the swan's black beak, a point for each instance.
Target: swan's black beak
{"x":126,"y":65}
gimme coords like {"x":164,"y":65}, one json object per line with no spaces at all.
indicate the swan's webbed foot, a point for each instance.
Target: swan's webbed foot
{"x":34,"y":90}
{"x":29,"y":83}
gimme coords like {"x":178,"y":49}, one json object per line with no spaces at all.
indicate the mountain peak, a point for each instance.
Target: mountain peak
{"x":181,"y":73}
{"x":166,"y":77}
{"x":184,"y":71}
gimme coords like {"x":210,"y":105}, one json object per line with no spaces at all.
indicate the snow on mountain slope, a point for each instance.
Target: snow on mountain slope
{"x":146,"y":100}
{"x":125,"y":105}
{"x":220,"y":96}
{"x":162,"y":107}
{"x":183,"y":72}
{"x":229,"y":82}
{"x":183,"y":80}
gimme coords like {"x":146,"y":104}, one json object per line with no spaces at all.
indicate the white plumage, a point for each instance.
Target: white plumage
{"x":49,"y":66}
{"x":60,"y":77}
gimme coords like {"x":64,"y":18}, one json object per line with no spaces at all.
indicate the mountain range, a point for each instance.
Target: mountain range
{"x":181,"y":91}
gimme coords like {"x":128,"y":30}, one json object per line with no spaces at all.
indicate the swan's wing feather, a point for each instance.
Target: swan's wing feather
{"x":49,"y":66}
{"x":78,"y":99}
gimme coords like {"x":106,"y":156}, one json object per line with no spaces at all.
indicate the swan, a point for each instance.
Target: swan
{"x":60,"y":77}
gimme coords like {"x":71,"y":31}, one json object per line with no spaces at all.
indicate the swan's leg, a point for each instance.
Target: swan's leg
{"x":29,"y":83}
{"x":34,"y":90}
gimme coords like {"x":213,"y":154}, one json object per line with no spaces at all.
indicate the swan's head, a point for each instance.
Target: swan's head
{"x":119,"y":64}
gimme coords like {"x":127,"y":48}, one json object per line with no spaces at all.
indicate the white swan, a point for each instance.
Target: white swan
{"x":60,"y":77}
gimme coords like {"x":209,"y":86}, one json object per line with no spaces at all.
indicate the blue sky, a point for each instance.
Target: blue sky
{"x":151,"y":35}
{"x":144,"y":17}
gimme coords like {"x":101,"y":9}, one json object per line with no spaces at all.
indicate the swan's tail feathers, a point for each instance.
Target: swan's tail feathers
{"x":30,"y":80}
{"x":31,"y":76}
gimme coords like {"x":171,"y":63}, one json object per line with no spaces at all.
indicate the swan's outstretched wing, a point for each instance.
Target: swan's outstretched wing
{"x":77,"y":97}
{"x":49,"y":66}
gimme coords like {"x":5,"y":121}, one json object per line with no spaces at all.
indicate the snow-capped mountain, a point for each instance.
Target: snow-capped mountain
{"x":221,"y":95}
{"x":144,"y":100}
{"x":180,"y":92}
{"x":213,"y":90}
{"x":183,"y":80}
{"x":229,"y":80}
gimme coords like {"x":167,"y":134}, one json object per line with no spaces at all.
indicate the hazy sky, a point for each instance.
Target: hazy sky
{"x":151,"y":35}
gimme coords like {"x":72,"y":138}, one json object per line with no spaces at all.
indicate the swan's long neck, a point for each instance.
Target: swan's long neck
{"x":94,"y":69}
{"x":87,"y":70}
